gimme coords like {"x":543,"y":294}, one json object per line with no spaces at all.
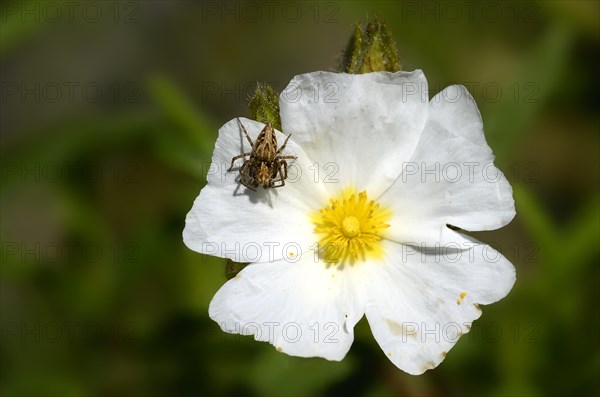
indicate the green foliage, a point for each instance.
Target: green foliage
{"x":276,"y":374}
{"x":527,"y":92}
{"x":194,"y":124}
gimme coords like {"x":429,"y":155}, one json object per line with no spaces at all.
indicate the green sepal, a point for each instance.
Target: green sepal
{"x":233,"y":268}
{"x":371,"y":49}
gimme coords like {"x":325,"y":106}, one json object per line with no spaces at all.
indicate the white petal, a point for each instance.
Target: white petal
{"x":413,"y":304}
{"x":228,"y":220}
{"x":303,"y":309}
{"x":357,"y":128}
{"x":450,"y":179}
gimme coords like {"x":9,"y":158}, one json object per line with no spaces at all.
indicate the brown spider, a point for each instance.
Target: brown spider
{"x":265,"y":164}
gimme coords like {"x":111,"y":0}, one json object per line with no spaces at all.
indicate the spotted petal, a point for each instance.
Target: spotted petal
{"x":419,"y":303}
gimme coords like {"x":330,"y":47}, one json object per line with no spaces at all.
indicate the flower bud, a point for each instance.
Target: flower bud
{"x":264,"y":106}
{"x":371,"y":49}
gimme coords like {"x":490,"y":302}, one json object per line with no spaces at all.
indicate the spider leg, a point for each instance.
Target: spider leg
{"x":244,"y":167}
{"x":246,"y":133}
{"x":284,"y":167}
{"x":280,"y":172}
{"x":249,"y":187}
{"x":284,"y":143}
{"x":246,"y":178}
{"x":247,"y":183}
{"x":238,"y":157}
{"x":287,"y":157}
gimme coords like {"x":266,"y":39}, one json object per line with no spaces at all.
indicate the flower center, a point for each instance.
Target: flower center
{"x":350,"y":228}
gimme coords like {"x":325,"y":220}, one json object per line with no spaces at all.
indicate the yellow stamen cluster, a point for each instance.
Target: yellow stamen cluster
{"x":350,"y":228}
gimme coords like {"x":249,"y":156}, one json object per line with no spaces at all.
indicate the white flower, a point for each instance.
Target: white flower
{"x":381,"y":173}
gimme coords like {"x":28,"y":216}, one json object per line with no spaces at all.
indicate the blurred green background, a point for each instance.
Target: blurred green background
{"x":109,"y":113}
